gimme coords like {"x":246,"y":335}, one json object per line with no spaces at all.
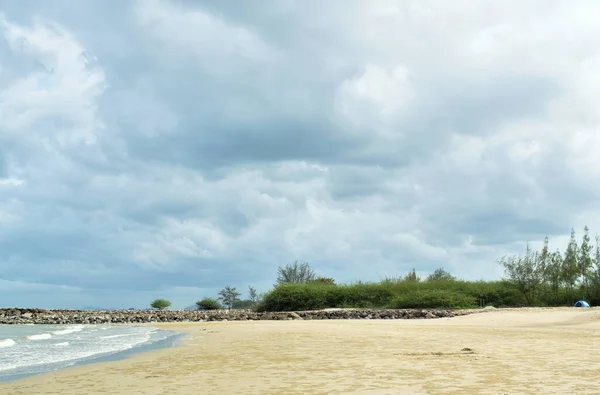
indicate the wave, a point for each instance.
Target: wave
{"x":7,"y":343}
{"x":66,"y":354}
{"x":123,"y":335}
{"x":32,"y":357}
{"x":41,"y":336}
{"x":68,"y":330}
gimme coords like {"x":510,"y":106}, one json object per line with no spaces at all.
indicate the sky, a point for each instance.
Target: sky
{"x":160,"y":148}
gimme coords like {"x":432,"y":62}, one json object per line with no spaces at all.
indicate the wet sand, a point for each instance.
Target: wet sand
{"x":524,"y":351}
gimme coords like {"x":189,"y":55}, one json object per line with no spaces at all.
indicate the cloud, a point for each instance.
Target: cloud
{"x":168,"y":148}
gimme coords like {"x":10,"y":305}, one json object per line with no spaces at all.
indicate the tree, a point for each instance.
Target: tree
{"x":160,"y":304}
{"x":525,"y":271}
{"x":245,"y":304}
{"x":253,"y":295}
{"x":553,"y":273}
{"x":229,"y":295}
{"x":545,"y":254}
{"x":585,"y":261}
{"x":295,"y":273}
{"x":209,"y":304}
{"x":595,"y":275}
{"x":570,"y":268}
{"x":440,"y":275}
{"x":544,"y":261}
{"x":412,"y":276}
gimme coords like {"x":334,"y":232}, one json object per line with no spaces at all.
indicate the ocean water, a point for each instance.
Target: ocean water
{"x":27,"y":350}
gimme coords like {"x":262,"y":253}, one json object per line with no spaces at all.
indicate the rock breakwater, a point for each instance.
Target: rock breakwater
{"x":39,"y":316}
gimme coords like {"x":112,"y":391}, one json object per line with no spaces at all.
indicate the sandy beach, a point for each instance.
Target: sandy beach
{"x":524,"y":351}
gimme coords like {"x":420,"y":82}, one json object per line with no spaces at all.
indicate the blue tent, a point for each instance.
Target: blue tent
{"x":581,"y":303}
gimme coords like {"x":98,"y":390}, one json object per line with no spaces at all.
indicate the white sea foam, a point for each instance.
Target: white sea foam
{"x":5,"y":343}
{"x":64,"y":345}
{"x":116,"y":336}
{"x":68,"y":330}
{"x":41,"y":336}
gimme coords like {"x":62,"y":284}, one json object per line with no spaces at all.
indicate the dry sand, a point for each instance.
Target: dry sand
{"x":525,"y":351}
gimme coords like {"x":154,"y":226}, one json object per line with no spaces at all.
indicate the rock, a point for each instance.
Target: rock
{"x":38,"y":316}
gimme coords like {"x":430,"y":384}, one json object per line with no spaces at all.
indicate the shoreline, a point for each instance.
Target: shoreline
{"x":166,"y":339}
{"x":502,"y":351}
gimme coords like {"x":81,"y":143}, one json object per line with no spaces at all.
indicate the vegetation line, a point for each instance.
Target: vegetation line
{"x":533,"y":278}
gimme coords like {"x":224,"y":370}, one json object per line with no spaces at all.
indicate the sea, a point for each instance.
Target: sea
{"x":27,"y":350}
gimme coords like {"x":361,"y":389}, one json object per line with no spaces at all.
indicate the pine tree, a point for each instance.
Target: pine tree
{"x":595,"y":275}
{"x":553,"y":273}
{"x":544,"y":258}
{"x":570,"y":268}
{"x":584,"y":261}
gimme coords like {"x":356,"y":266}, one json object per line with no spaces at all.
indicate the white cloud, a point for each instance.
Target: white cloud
{"x":211,"y":144}
{"x":62,"y":90}
{"x":216,"y":44}
{"x":10,"y":182}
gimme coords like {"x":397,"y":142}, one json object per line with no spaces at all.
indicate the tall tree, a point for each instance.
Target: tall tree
{"x":595,"y":275}
{"x":544,"y":263}
{"x":253,"y":295}
{"x":229,"y":295}
{"x":525,"y":272}
{"x":440,"y":275}
{"x":545,"y":254}
{"x":597,"y":252}
{"x":570,"y":267}
{"x":585,"y":261}
{"x":553,"y":273}
{"x":295,"y":273}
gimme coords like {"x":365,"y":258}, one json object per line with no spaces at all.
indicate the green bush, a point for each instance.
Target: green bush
{"x":209,"y":304}
{"x":434,"y":298}
{"x":495,"y":293}
{"x":397,"y":293}
{"x":362,"y":295}
{"x":311,"y":296}
{"x":290,"y":297}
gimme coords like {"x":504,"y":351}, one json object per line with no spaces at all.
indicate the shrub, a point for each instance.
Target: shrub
{"x":314,"y":296}
{"x":290,"y":297}
{"x":397,"y":293}
{"x":209,"y":304}
{"x":434,"y":298}
{"x":362,"y":295}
